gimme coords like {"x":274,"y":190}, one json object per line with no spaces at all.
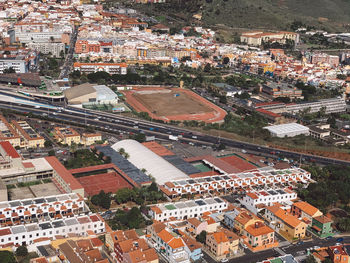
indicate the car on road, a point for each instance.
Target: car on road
{"x":224,"y":260}
{"x":300,"y":243}
{"x":329,"y":238}
{"x":340,"y":239}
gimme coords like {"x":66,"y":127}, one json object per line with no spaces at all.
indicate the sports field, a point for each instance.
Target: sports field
{"x":173,"y":104}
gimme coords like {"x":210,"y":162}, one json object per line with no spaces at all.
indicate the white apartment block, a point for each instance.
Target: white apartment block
{"x":28,"y":37}
{"x":257,"y":200}
{"x":266,"y":177}
{"x":334,"y":105}
{"x":28,"y":233}
{"x":46,"y":47}
{"x":36,"y":209}
{"x":187,"y":209}
{"x":19,"y":65}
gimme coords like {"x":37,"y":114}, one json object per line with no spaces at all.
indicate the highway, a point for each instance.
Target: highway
{"x":114,"y":122}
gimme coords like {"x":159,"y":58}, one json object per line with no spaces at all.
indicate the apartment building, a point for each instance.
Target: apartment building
{"x":260,"y":236}
{"x":257,"y":38}
{"x":66,"y":135}
{"x":187,"y":209}
{"x":29,"y":137}
{"x":285,"y":223}
{"x":303,"y":210}
{"x":237,"y":181}
{"x":55,"y":49}
{"x":26,"y":234}
{"x":169,"y":244}
{"x":258,"y":200}
{"x":222,"y":243}
{"x":36,"y":209}
{"x":111,"y":68}
{"x":90,"y":138}
{"x":239,"y":219}
{"x":276,"y":90}
{"x":322,"y":58}
{"x":8,"y":133}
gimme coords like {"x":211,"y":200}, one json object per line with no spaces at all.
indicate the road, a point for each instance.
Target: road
{"x":114,"y":123}
{"x":69,"y":58}
{"x":295,"y":250}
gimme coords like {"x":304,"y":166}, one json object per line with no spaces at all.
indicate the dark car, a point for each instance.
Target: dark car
{"x":340,"y":239}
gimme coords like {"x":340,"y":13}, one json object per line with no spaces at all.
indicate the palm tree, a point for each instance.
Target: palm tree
{"x":121,"y":151}
{"x":126,"y":155}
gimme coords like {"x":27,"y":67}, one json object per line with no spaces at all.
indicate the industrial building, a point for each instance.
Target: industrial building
{"x":90,"y":94}
{"x":143,"y":158}
{"x":287,"y":130}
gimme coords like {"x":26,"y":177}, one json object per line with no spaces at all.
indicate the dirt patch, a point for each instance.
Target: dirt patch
{"x":171,"y":103}
{"x":174,"y":104}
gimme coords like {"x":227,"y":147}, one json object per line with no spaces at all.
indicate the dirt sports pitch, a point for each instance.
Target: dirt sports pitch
{"x":173,"y":104}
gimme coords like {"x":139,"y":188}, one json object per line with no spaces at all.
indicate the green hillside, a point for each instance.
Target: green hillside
{"x":331,"y":15}
{"x":278,"y":14}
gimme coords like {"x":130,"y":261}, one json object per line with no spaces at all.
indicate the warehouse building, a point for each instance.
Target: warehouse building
{"x":144,"y":158}
{"x":90,"y":94}
{"x":287,"y":130}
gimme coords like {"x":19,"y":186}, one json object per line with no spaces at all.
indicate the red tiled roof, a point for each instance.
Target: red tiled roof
{"x":9,"y":149}
{"x":64,"y":173}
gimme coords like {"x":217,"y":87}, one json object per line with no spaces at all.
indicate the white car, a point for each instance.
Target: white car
{"x":224,"y":260}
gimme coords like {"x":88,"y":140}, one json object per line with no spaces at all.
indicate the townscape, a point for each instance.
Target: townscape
{"x":129,"y":134}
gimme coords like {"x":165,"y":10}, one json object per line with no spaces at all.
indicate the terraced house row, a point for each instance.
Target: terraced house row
{"x":254,"y":179}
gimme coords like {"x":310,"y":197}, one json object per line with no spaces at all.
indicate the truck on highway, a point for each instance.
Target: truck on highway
{"x":173,"y":138}
{"x":150,"y":138}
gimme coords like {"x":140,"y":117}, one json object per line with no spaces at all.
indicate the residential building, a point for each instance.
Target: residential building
{"x":111,"y":68}
{"x":285,"y":259}
{"x":304,"y":211}
{"x":234,"y":182}
{"x":320,"y":132}
{"x":275,"y":90}
{"x":66,"y":135}
{"x":242,"y":218}
{"x":322,"y":226}
{"x":8,"y":133}
{"x":90,"y":138}
{"x":81,"y":251}
{"x":257,"y":200}
{"x":222,"y":243}
{"x":29,"y":137}
{"x":197,"y":225}
{"x":31,"y":210}
{"x":285,"y":223}
{"x":26,"y":234}
{"x":187,"y":209}
{"x":22,"y":61}
{"x":56,"y":49}
{"x":171,"y":246}
{"x":193,"y":248}
{"x":322,"y":58}
{"x":259,"y":236}
{"x":338,"y":254}
{"x":257,"y":38}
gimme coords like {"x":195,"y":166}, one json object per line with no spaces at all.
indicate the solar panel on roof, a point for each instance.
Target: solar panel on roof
{"x":123,"y":164}
{"x":181,"y":164}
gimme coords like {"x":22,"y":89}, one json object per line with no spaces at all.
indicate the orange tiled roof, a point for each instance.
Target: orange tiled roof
{"x":306,"y":208}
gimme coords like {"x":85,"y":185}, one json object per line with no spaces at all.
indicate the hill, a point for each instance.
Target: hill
{"x":331,"y":15}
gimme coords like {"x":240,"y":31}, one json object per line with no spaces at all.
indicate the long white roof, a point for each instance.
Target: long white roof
{"x":142,"y":157}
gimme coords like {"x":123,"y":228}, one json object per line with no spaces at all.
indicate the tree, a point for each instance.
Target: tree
{"x":226,"y":60}
{"x":207,"y":68}
{"x":47,"y":144}
{"x":9,"y":70}
{"x":51,"y":153}
{"x":310,"y":259}
{"x":102,"y":199}
{"x":62,"y":54}
{"x":121,"y":151}
{"x":22,"y":251}
{"x":7,"y":257}
{"x":202,"y":237}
